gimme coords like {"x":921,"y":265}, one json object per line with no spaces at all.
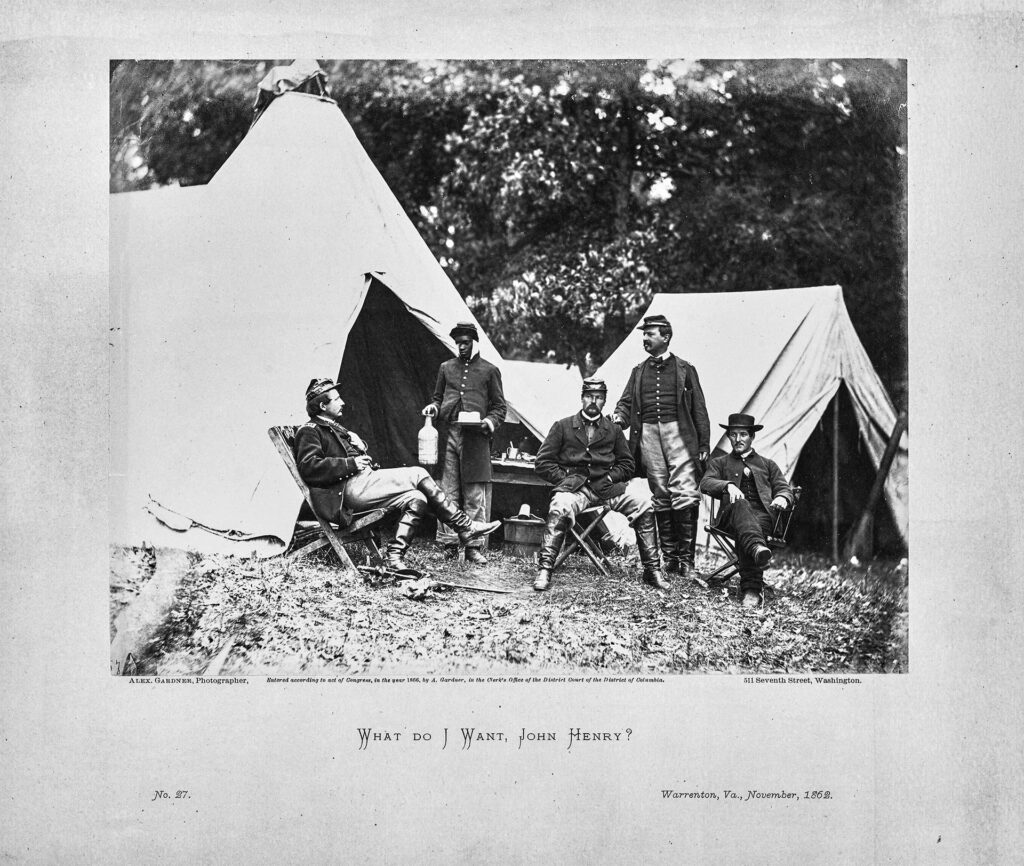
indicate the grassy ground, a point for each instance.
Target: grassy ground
{"x":307,"y":617}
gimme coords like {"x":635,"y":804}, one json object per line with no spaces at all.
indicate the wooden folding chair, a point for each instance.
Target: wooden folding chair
{"x":726,"y":541}
{"x":364,"y":528}
{"x":582,"y":538}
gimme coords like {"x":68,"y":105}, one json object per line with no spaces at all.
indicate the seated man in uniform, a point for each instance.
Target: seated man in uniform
{"x":748,"y":485}
{"x":587,"y":459}
{"x":343,"y":478}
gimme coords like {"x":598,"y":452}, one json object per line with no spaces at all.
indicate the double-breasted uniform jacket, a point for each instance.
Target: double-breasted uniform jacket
{"x":326,"y":458}
{"x":568,"y":461}
{"x":692,"y":413}
{"x":470,"y":386}
{"x":728,"y":469}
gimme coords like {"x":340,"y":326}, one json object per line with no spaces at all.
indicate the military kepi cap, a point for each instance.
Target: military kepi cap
{"x":743,"y":422}
{"x":654,"y":322}
{"x":594,"y":384}
{"x":465,"y":329}
{"x":318,"y":387}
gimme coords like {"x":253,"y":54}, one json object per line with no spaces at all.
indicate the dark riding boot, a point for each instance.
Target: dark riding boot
{"x":455,"y":517}
{"x":685,"y":521}
{"x":475,"y":557}
{"x":411,"y":517}
{"x":668,"y":540}
{"x":550,"y":547}
{"x":647,"y":545}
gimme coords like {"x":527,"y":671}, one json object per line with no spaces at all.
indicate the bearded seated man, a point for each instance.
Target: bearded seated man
{"x":343,"y":478}
{"x":748,"y":485}
{"x":586,"y":458}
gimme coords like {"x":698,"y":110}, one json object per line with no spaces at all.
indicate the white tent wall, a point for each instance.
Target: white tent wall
{"x":543,"y":392}
{"x":225,"y":303}
{"x":781,"y":356}
{"x":218,"y":346}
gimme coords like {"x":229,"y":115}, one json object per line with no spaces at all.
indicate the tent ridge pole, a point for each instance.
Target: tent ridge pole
{"x":835,"y":476}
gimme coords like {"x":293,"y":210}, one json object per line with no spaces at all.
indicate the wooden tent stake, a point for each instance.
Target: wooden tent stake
{"x":835,"y":477}
{"x":860,"y":540}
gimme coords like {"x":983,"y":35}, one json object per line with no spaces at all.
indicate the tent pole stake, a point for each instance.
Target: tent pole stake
{"x":835,"y":477}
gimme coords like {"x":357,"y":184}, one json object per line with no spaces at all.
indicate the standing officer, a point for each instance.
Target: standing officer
{"x":669,"y":432}
{"x":467,"y":383}
{"x":587,"y":459}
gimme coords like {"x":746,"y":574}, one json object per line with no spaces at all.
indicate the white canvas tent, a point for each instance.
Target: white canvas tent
{"x":545,"y":392}
{"x":295,"y":260}
{"x":781,"y":356}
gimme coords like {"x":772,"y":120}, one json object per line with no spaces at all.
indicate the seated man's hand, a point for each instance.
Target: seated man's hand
{"x":780,"y":502}
{"x":602,"y":486}
{"x":430,"y":410}
{"x":733,"y":493}
{"x":364,"y":461}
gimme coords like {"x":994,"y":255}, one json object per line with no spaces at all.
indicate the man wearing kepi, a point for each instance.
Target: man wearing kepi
{"x":748,"y":485}
{"x":669,"y":433}
{"x":466,"y":385}
{"x":343,"y":478}
{"x":586,"y":458}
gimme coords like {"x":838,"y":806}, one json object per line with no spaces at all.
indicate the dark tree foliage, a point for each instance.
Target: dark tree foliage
{"x":559,"y":195}
{"x":176,"y":122}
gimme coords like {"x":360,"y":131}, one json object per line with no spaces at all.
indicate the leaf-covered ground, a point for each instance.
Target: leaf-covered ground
{"x":282,"y":619}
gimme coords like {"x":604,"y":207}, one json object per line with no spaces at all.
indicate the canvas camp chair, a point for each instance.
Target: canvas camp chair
{"x":364,"y":528}
{"x":726,"y":541}
{"x":581,"y":536}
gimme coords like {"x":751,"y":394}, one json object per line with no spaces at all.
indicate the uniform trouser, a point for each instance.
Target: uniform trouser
{"x":633,"y":502}
{"x":384,"y":488}
{"x":671,"y":469}
{"x":750,"y":525}
{"x":473,"y":497}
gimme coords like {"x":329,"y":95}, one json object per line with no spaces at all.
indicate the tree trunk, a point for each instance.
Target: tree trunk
{"x":624,"y":179}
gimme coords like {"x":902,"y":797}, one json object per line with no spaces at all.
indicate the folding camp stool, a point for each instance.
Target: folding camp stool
{"x":582,"y":539}
{"x":726,"y":541}
{"x":364,"y":528}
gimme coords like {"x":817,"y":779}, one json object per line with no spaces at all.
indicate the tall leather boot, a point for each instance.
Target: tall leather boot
{"x":406,"y":529}
{"x":455,"y":517}
{"x":647,"y":545}
{"x":668,"y":540}
{"x":685,"y":521}
{"x":550,"y":547}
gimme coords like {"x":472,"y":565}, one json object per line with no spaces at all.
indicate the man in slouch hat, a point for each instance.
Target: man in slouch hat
{"x":469,"y":404}
{"x":669,"y":434}
{"x":749,"y":485}
{"x":343,"y":478}
{"x":586,"y":458}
